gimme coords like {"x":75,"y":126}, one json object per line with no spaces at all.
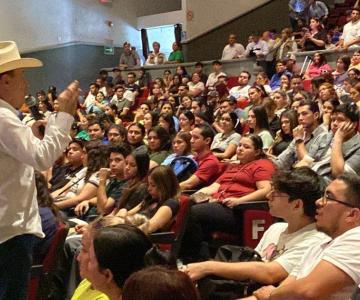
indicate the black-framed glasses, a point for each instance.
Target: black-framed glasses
{"x":325,"y":198}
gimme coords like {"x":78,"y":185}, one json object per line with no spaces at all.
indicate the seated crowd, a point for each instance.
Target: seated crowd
{"x":132,"y":157}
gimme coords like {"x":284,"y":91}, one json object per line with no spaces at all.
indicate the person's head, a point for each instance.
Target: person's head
{"x":355,"y":92}
{"x":250,"y":148}
{"x":95,"y":129}
{"x":315,"y":24}
{"x":255,"y":94}
{"x":308,"y":114}
{"x":326,"y":92}
{"x":116,"y":134}
{"x":266,"y":36}
{"x":343,"y":63}
{"x":296,"y":83}
{"x":175,"y":46}
{"x":158,"y":139}
{"x":131,"y":77}
{"x":180,"y":70}
{"x":280,"y":67}
{"x":145,"y":108}
{"x":167,"y":74}
{"x":198,"y":67}
{"x":157,"y":283}
{"x":150,"y":119}
{"x":75,"y":153}
{"x":286,"y":33}
{"x":176,"y":79}
{"x":216,"y":65}
{"x":93,"y":88}
{"x":285,"y":82}
{"x":163,"y":184}
{"x":56,"y":106}
{"x":186,"y":102}
{"x":197,"y":105}
{"x":166,"y":121}
{"x":355,"y":58}
{"x":258,"y":118}
{"x":355,"y":15}
{"x":43,"y":106}
{"x":186,"y":120}
{"x":294,"y":193}
{"x":229,"y":121}
{"x":354,"y":73}
{"x":339,"y":208}
{"x":181,"y":145}
{"x":345,"y":113}
{"x":329,"y":106}
{"x":183,"y":90}
{"x":232,"y":39}
{"x":288,"y":121}
{"x":111,"y":110}
{"x":115,"y":253}
{"x":201,"y":138}
{"x":96,"y":157}
{"x":127,"y":47}
{"x":319,"y":59}
{"x":244,"y":78}
{"x":119,"y":91}
{"x":117,"y":159}
{"x":280,"y":99}
{"x":202,"y":118}
{"x":167,"y":108}
{"x":135,"y":134}
{"x":137,"y":164}
{"x":156,"y":46}
{"x":226,"y":105}
{"x":195,"y":77}
{"x":262,"y":78}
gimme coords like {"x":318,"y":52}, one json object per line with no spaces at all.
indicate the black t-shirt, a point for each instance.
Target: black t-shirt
{"x":311,"y":46}
{"x":61,"y":175}
{"x":115,"y":187}
{"x":132,"y":87}
{"x":152,"y":208}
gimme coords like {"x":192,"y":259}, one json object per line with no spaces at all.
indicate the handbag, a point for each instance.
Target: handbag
{"x":216,"y":288}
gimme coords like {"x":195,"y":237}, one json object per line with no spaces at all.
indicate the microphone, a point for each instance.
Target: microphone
{"x":31,"y":102}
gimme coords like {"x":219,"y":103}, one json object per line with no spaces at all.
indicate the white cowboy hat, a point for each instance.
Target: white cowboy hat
{"x":10,"y":58}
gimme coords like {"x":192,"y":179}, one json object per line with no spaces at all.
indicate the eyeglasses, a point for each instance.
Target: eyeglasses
{"x":325,"y":198}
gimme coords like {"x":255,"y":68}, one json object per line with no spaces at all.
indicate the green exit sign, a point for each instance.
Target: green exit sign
{"x":108,"y":50}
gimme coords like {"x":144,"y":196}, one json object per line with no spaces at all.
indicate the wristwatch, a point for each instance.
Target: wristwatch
{"x":299,"y":140}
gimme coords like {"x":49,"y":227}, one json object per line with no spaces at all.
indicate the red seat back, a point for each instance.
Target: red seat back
{"x":255,"y":223}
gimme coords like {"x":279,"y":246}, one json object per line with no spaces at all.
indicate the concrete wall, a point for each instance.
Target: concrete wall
{"x":212,"y":13}
{"x":210,"y":45}
{"x":38,"y":24}
{"x":154,"y":7}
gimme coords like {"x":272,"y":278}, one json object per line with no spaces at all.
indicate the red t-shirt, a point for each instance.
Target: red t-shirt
{"x":209,"y":168}
{"x":240,"y":180}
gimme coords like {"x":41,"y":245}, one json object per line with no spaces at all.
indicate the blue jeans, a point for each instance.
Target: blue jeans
{"x":15,"y":265}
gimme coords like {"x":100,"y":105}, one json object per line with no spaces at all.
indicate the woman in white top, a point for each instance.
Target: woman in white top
{"x":225,"y":143}
{"x":259,"y":124}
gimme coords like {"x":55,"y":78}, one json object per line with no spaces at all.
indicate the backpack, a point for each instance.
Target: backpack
{"x":183,"y":167}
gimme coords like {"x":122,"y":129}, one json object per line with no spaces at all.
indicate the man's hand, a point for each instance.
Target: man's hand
{"x":264,"y":293}
{"x":82,"y":208}
{"x":298,"y":132}
{"x":197,"y":271}
{"x":344,"y":132}
{"x":68,"y":99}
{"x":104,"y":174}
{"x":36,"y":128}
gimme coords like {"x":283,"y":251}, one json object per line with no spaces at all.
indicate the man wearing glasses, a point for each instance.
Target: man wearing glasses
{"x":330,"y":270}
{"x":283,"y":245}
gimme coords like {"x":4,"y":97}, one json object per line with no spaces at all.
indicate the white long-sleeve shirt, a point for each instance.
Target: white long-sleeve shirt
{"x":20,"y":154}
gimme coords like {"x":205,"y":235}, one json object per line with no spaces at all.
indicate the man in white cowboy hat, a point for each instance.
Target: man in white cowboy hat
{"x":21,"y":151}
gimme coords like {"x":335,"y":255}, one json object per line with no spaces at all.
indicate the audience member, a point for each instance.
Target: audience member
{"x":214,"y":76}
{"x":232,"y":50}
{"x":259,"y":125}
{"x":209,"y":166}
{"x":315,"y":37}
{"x":317,"y":9}
{"x":156,"y":283}
{"x":129,"y":58}
{"x":318,"y":66}
{"x":153,"y":58}
{"x":292,"y":198}
{"x":276,"y":78}
{"x":327,"y":270}
{"x":351,"y":32}
{"x":176,"y":56}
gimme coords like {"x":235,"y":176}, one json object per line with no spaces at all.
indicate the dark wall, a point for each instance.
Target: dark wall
{"x":147,"y":8}
{"x":210,"y":45}
{"x":62,"y":65}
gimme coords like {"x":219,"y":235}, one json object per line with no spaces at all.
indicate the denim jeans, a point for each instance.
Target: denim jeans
{"x":15,"y":265}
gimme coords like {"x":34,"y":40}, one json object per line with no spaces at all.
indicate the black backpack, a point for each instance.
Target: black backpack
{"x":183,"y":167}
